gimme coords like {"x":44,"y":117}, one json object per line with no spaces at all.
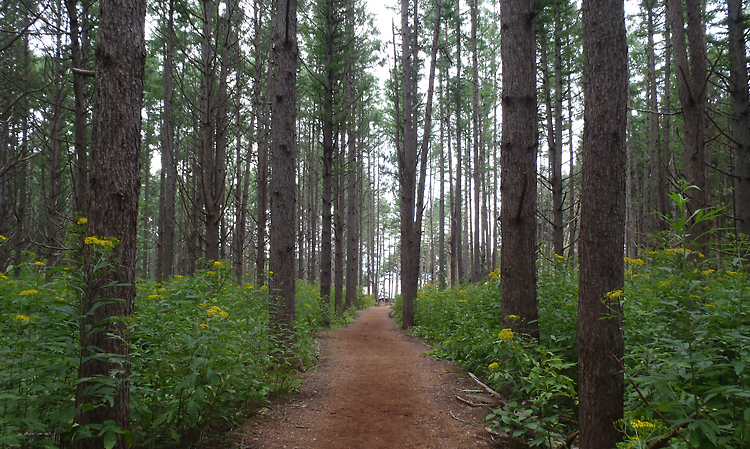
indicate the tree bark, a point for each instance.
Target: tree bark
{"x":80,"y":91}
{"x":167,"y":221}
{"x":113,"y":212}
{"x":692,"y":79}
{"x":407,"y":164}
{"x":741,"y":119}
{"x":518,"y":162}
{"x":283,"y":178}
{"x":600,"y":336}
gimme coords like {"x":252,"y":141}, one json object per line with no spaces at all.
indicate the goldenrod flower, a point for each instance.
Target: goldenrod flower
{"x":104,"y":242}
{"x":712,"y":305}
{"x":493,"y":366}
{"x":218,"y":264}
{"x":635,"y":262}
{"x":638,"y":424}
{"x":22,"y":318}
{"x":204,"y":326}
{"x":155,"y":297}
{"x":614,"y":294}
{"x":505,"y":334}
{"x":216,"y":312}
{"x":82,"y":221}
{"x":28,"y":292}
{"x":513,"y":317}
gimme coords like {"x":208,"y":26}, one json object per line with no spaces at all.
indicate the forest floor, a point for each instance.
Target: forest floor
{"x":374,"y":387}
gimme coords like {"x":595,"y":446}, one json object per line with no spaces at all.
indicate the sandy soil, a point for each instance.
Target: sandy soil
{"x":373,"y":388}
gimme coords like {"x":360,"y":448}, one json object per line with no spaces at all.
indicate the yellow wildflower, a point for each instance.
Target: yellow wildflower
{"x":709,"y":271}
{"x":712,"y":305}
{"x":462,"y":300}
{"x":28,"y":292}
{"x":204,"y":326}
{"x":635,"y":262}
{"x":614,"y":294}
{"x":216,"y":312}
{"x":493,"y":366}
{"x":3,"y":238}
{"x":505,"y":334}
{"x":22,"y":318}
{"x":639,"y":425}
{"x":513,"y":317}
{"x":104,"y":242}
{"x":559,"y":256}
{"x":61,"y":299}
{"x":38,"y":262}
{"x":155,"y":297}
{"x":218,"y":264}
{"x":82,"y":221}
{"x":270,"y":273}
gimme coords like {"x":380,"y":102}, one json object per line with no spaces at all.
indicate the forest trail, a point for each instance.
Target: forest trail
{"x":373,"y":388}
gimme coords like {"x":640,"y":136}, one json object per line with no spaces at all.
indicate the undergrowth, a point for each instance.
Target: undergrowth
{"x":687,"y":350}
{"x":201,"y":358}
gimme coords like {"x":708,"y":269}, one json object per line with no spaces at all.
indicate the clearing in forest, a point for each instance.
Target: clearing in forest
{"x":373,"y":388}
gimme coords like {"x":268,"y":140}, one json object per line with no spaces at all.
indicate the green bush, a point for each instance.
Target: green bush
{"x":200,"y":355}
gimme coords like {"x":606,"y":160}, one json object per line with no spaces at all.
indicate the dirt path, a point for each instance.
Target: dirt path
{"x":374,"y":388}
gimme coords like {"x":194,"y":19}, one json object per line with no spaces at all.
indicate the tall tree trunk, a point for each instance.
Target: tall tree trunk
{"x":338,"y":225}
{"x":282,"y":183}
{"x":441,"y":212}
{"x":210,"y":162}
{"x":476,"y":271}
{"x":457,"y":222}
{"x":113,"y":212}
{"x":741,"y":119}
{"x":518,"y":162}
{"x":80,"y":91}
{"x":600,"y":336}
{"x":556,"y":181}
{"x":407,"y":165}
{"x":692,"y":77}
{"x":262,"y":213}
{"x":657,"y":194}
{"x":167,"y":221}
{"x":326,"y":250}
{"x":352,"y":230}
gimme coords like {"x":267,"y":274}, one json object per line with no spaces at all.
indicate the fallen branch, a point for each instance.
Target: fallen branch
{"x":489,"y":390}
{"x":456,"y":417}
{"x":468,"y":402}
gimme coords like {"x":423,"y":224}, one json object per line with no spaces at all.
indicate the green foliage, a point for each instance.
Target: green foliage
{"x":200,"y":355}
{"x":687,"y":336}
